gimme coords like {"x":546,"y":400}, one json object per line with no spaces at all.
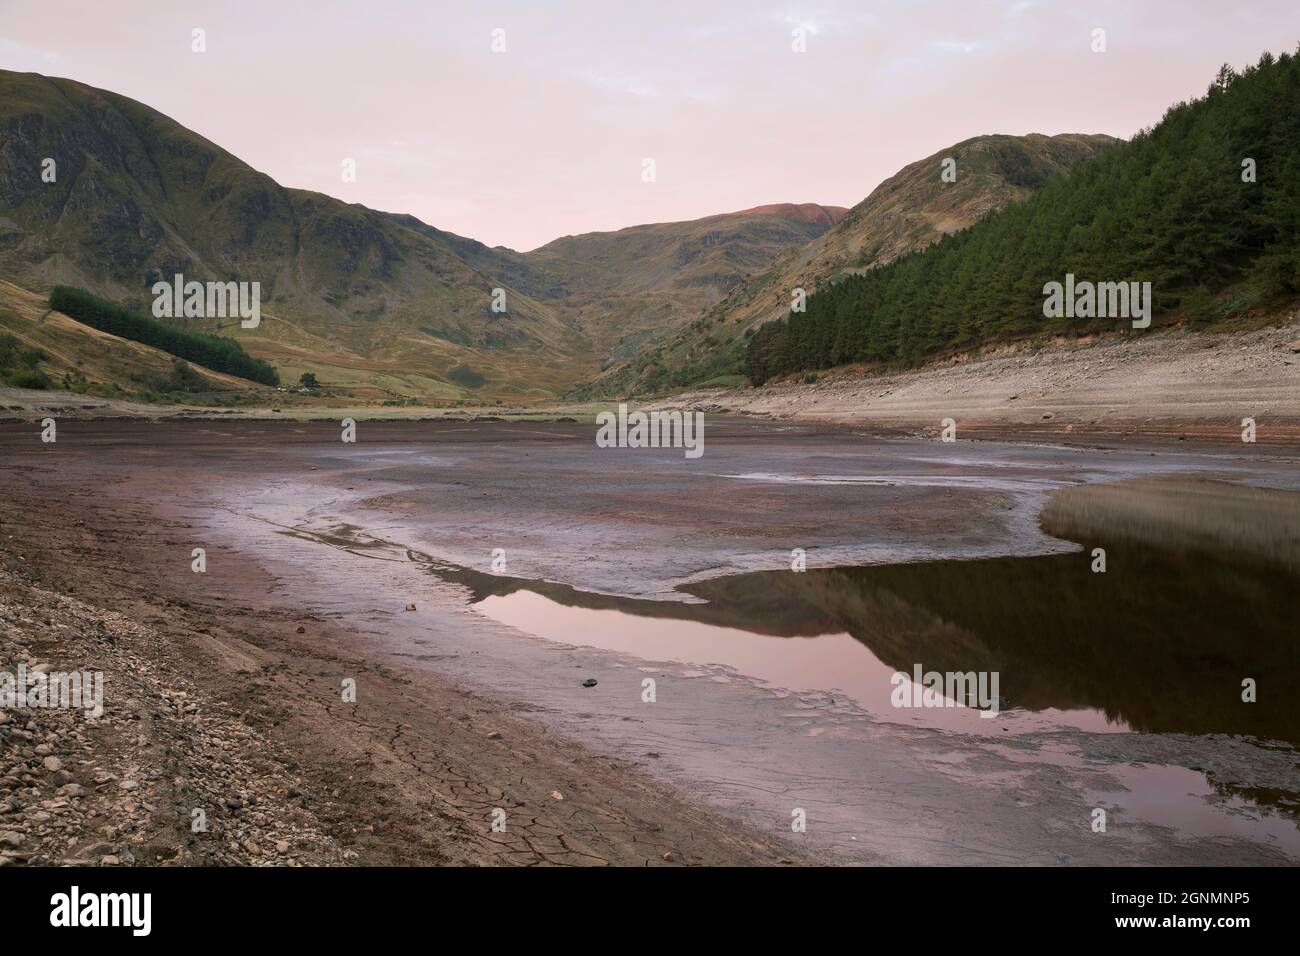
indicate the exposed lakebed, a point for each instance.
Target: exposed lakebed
{"x":1122,"y":689}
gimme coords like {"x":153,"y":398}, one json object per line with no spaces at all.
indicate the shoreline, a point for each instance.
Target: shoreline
{"x":1172,"y":385}
{"x":141,"y":508}
{"x":248,"y":715}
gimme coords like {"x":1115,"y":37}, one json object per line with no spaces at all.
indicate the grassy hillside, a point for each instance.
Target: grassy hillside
{"x":909,"y":211}
{"x":84,"y":359}
{"x":377,"y":303}
{"x":634,"y":287}
{"x":1174,"y":207}
{"x":138,"y":197}
{"x":622,"y":289}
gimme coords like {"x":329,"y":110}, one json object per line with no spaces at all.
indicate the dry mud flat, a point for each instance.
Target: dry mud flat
{"x":317,"y":551}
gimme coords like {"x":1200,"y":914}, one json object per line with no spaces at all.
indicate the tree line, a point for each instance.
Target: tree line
{"x":1205,"y":206}
{"x":210,"y":351}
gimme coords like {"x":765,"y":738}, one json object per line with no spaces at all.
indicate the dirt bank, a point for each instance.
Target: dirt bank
{"x":1174,"y":384}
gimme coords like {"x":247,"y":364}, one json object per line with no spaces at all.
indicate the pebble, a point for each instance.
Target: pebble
{"x":164,"y":735}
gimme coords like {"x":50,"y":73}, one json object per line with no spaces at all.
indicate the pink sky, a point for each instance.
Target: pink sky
{"x":547,"y":138}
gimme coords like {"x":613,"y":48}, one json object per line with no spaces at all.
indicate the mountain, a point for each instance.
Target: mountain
{"x":637,"y":285}
{"x":909,"y":211}
{"x":380,"y":303}
{"x":1200,"y":212}
{"x":346,"y":290}
{"x":621,"y":288}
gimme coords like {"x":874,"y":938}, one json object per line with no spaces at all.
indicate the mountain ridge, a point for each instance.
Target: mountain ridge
{"x":377,"y":301}
{"x":380,"y":303}
{"x":906,"y":212}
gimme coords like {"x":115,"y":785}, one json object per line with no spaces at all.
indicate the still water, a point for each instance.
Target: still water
{"x":1160,"y":642}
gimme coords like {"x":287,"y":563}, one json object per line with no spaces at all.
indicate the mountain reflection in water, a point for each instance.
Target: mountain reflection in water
{"x":1160,"y":642}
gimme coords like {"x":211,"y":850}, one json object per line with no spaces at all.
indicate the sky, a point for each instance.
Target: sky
{"x":550,"y":135}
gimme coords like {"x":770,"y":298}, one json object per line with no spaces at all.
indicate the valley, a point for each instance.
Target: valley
{"x":953,"y":524}
{"x":385,"y":308}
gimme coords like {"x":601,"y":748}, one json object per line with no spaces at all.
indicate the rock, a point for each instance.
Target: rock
{"x":129,"y":785}
{"x":53,"y":764}
{"x":556,"y":795}
{"x":282,"y":847}
{"x":109,"y":860}
{"x":410,"y":607}
{"x":668,"y":857}
{"x":9,"y":838}
{"x":494,"y":735}
{"x":301,"y":629}
{"x":589,"y":682}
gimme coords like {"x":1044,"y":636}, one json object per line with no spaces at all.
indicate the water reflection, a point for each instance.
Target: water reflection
{"x":1160,"y":642}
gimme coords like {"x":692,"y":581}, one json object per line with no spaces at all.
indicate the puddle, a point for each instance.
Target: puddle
{"x":1184,"y":800}
{"x":1160,"y":642}
{"x":833,"y":663}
